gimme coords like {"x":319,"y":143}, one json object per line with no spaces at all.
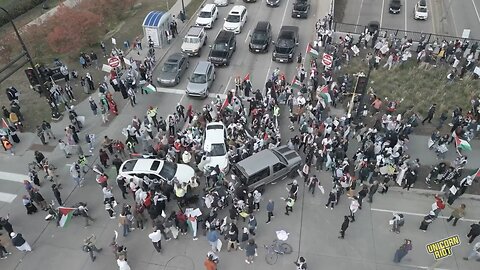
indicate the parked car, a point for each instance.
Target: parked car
{"x":395,"y":6}
{"x":273,"y":3}
{"x":156,"y":169}
{"x":215,"y":146}
{"x":420,"y":11}
{"x":201,"y":79}
{"x":173,"y":69}
{"x":223,"y":48}
{"x":194,"y":40}
{"x":221,"y":3}
{"x":236,"y":19}
{"x":261,"y":37}
{"x":267,"y":166}
{"x":300,"y":9}
{"x":207,"y":16}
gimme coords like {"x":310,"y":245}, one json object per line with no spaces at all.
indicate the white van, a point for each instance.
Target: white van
{"x":207,"y":16}
{"x":236,"y":19}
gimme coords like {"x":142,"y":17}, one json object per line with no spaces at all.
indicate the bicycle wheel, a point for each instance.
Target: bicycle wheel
{"x":286,"y":248}
{"x":271,"y":258}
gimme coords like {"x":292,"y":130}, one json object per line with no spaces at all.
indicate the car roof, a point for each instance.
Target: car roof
{"x":146,"y":165}
{"x":208,"y":7}
{"x":175,"y":57}
{"x":195,"y":31}
{"x":202,"y":67}
{"x":237,"y":9}
{"x":215,"y":132}
{"x":261,"y":26}
{"x":258,"y":161}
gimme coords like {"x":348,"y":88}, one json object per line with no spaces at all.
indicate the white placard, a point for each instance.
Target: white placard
{"x":477,"y":71}
{"x":466,"y":33}
{"x":126,"y":61}
{"x":355,"y":50}
{"x":384,"y":49}
{"x":106,"y":68}
{"x":114,"y":41}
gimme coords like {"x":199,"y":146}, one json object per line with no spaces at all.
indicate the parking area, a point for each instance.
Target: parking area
{"x":447,"y":17}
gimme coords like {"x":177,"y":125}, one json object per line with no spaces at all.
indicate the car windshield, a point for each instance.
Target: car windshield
{"x":259,"y":36}
{"x":422,"y":9}
{"x":129,"y":165}
{"x":198,"y":78}
{"x":220,"y":47}
{"x":191,"y":40}
{"x":217,"y":149}
{"x":169,"y":67}
{"x":205,"y":14}
{"x":168,"y":171}
{"x":233,"y":18}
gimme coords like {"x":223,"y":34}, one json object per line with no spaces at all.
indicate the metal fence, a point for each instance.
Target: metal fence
{"x":415,"y":36}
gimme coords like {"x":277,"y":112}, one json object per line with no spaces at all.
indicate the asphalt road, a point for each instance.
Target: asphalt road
{"x":446,"y":17}
{"x":313,"y":229}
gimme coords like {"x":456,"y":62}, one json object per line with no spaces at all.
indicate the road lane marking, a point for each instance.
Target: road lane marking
{"x":453,"y":18}
{"x":359,"y":13}
{"x":177,"y":91}
{"x":14,"y":177}
{"x":226,"y":86}
{"x":383,"y":10}
{"x":248,"y":35}
{"x":7,"y":197}
{"x":476,"y":10}
{"x":416,"y":214}
{"x":433,"y":17}
{"x":406,"y":19}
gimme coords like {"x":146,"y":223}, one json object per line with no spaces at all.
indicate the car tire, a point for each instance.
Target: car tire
{"x":177,"y":80}
{"x":214,"y":76}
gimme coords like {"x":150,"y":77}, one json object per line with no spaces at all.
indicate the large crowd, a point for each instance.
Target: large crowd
{"x":216,"y":203}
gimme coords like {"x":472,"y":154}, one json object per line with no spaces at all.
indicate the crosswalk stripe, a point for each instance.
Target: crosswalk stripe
{"x":7,"y":197}
{"x":14,"y":177}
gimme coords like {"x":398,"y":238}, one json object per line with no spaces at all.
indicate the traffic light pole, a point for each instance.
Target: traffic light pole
{"x":55,"y":113}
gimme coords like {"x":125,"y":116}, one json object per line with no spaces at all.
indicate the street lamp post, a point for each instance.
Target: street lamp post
{"x":183,"y":11}
{"x":55,"y":114}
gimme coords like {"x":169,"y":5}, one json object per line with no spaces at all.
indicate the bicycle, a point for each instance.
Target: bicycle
{"x":276,"y":248}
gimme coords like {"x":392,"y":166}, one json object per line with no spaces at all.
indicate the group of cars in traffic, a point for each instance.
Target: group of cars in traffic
{"x":420,"y":10}
{"x":221,"y":51}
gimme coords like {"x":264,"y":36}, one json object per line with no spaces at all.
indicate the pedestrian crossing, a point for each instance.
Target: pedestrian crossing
{"x":10,"y":177}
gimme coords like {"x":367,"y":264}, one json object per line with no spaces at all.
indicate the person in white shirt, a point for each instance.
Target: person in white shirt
{"x":156,"y":237}
{"x":474,"y":253}
{"x":122,"y":264}
{"x":353,"y":208}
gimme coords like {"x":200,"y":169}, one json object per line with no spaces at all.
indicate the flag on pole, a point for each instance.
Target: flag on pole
{"x":476,"y":174}
{"x":325,"y":95}
{"x":66,"y":214}
{"x":4,"y":123}
{"x":296,"y":84}
{"x":462,"y":144}
{"x":312,"y":51}
{"x":225,"y":104}
{"x":247,"y":78}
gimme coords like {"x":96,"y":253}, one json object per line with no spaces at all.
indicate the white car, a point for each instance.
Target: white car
{"x":221,"y":3}
{"x":421,"y":11}
{"x":215,"y":147}
{"x":207,"y":16}
{"x":236,"y":19}
{"x":156,"y":169}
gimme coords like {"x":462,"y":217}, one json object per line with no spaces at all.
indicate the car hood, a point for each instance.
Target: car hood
{"x":221,"y":161}
{"x":184,"y":173}
{"x":218,"y":54}
{"x":187,"y":46}
{"x":300,"y":7}
{"x":196,"y":87}
{"x":203,"y":20}
{"x":273,"y":1}
{"x":231,"y":25}
{"x":167,"y":76}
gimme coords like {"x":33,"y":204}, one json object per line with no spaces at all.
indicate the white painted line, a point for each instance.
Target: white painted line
{"x":416,"y":214}
{"x":476,"y":10}
{"x":14,"y":177}
{"x":381,"y":14}
{"x":226,"y":86}
{"x":406,"y":19}
{"x":182,"y":92}
{"x":7,"y":197}
{"x":434,"y":29}
{"x":359,"y":13}
{"x":248,"y":35}
{"x":453,"y":18}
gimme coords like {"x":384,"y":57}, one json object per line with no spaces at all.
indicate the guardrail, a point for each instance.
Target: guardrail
{"x":387,"y":32}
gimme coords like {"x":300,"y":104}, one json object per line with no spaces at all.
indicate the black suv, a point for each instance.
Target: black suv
{"x":222,"y":49}
{"x":285,"y":45}
{"x":300,"y":9}
{"x":395,"y":6}
{"x":261,"y":37}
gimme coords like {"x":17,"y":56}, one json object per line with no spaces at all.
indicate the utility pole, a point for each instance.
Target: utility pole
{"x":55,"y":114}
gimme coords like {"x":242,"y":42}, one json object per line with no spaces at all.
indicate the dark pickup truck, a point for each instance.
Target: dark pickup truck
{"x":300,"y":9}
{"x":287,"y":40}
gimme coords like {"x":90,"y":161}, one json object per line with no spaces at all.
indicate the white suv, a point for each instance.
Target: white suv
{"x":421,"y":10}
{"x":207,"y":16}
{"x":215,"y":147}
{"x":194,"y":40}
{"x":236,"y":19}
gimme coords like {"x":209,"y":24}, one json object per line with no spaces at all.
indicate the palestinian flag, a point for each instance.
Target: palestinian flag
{"x":296,"y":84}
{"x":312,"y":51}
{"x":66,"y":214}
{"x":247,"y":78}
{"x":149,"y":88}
{"x":225,"y":104}
{"x":462,"y":144}
{"x":4,"y":123}
{"x":325,"y":95}
{"x":476,"y":174}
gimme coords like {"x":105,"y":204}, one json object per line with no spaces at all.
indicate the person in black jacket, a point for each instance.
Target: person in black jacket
{"x":372,"y":191}
{"x":6,"y":225}
{"x":19,"y":242}
{"x":474,"y":232}
{"x":232,"y":237}
{"x":346,"y":222}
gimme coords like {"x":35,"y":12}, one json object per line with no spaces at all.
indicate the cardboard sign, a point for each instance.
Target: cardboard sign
{"x":106,"y":68}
